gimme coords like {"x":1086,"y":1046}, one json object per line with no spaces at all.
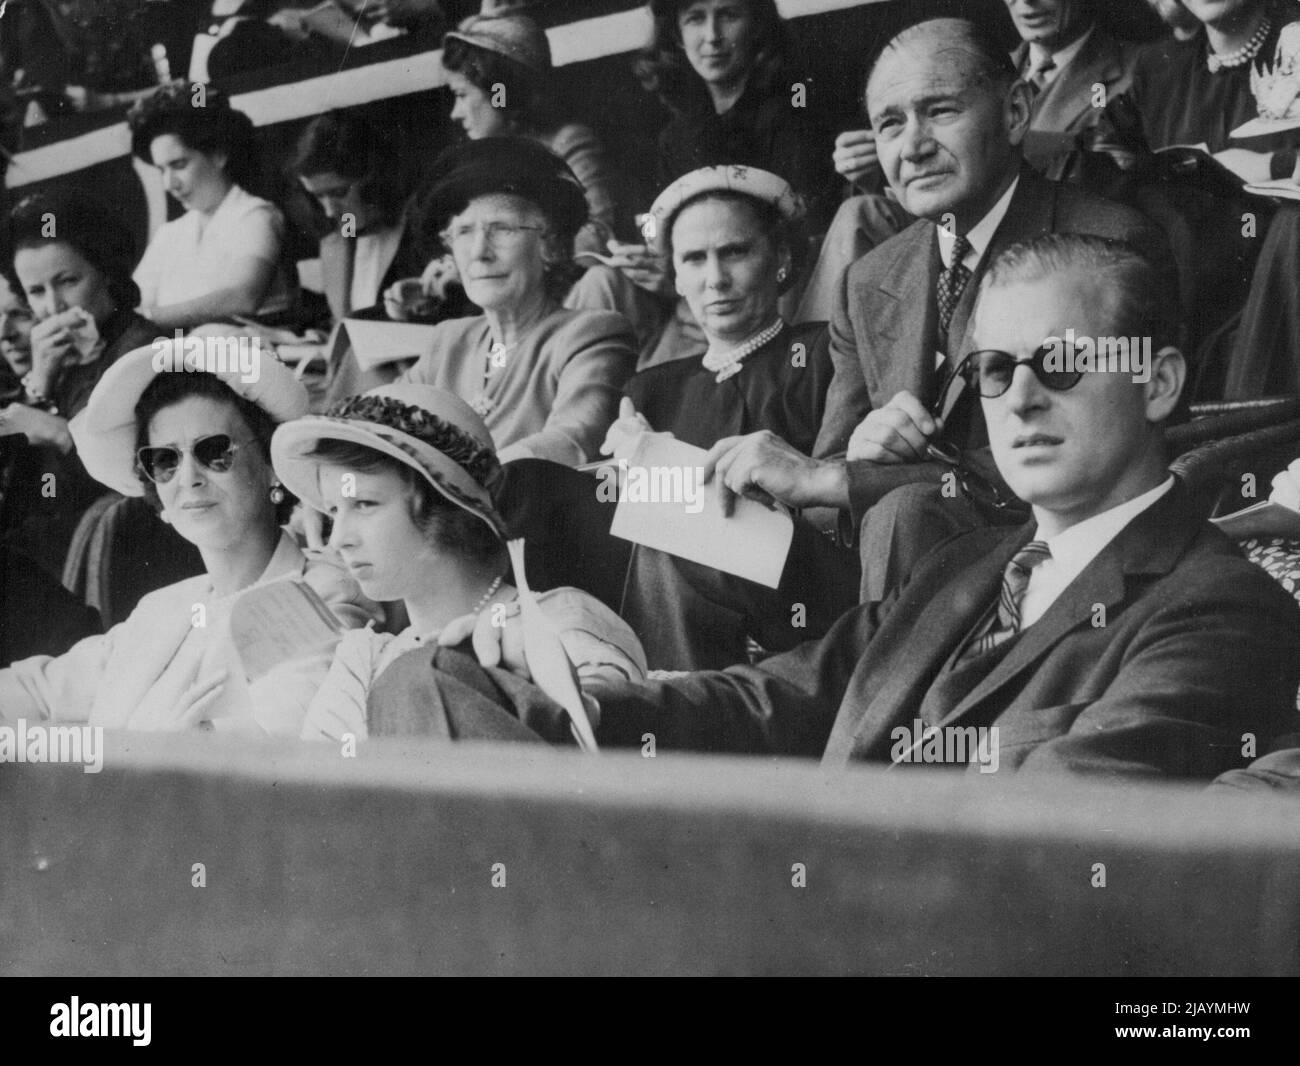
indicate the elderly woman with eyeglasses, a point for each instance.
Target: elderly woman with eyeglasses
{"x":197,"y":444}
{"x":544,"y":378}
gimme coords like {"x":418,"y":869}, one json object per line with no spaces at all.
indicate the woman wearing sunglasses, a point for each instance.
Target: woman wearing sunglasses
{"x":196,"y":445}
{"x":406,"y":473}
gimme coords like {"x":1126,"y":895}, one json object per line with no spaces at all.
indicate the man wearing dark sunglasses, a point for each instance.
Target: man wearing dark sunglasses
{"x":1116,"y":634}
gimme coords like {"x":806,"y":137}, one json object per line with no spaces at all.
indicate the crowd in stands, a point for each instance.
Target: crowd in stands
{"x":877,"y":331}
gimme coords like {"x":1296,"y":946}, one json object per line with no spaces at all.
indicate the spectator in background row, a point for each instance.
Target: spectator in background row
{"x":71,"y":258}
{"x":15,"y":341}
{"x":544,"y":378}
{"x":222,"y":259}
{"x":347,"y":165}
{"x":499,"y":71}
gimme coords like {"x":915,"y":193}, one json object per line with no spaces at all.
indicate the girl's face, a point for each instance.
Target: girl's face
{"x":195,"y":179}
{"x":222,"y":503}
{"x":55,"y":277}
{"x":718,"y":38}
{"x":375,"y":532}
{"x":473,"y":109}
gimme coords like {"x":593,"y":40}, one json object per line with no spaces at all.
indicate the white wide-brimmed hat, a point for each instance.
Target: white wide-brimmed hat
{"x":762,"y":185}
{"x":105,"y":432}
{"x":432,"y":431}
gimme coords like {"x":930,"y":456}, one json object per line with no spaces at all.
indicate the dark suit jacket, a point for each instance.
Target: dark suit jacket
{"x":885,"y":321}
{"x":1065,"y":107}
{"x":1197,"y":648}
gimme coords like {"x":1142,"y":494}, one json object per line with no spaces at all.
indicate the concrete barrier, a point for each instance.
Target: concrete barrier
{"x":385,"y":864}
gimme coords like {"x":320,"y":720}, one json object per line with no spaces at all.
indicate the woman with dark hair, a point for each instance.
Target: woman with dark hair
{"x":720,"y":68}
{"x":406,"y":473}
{"x":222,"y":259}
{"x":500,"y":73}
{"x":544,"y":378}
{"x":196,"y":442}
{"x":71,"y":260}
{"x":344,"y":162}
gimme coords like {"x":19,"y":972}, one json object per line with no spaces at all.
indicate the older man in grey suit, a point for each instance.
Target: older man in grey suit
{"x":950,"y":115}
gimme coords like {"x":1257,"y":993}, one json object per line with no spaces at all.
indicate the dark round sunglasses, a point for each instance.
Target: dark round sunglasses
{"x":991,"y":371}
{"x":215,"y":453}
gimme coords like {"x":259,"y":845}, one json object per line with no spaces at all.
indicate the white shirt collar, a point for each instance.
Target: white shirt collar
{"x":980,"y":234}
{"x":1074,"y":548}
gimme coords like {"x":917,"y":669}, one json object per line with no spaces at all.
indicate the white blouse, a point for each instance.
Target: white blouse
{"x":189,"y":258}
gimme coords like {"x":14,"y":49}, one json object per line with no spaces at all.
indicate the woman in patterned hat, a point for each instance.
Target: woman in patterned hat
{"x":406,"y":472}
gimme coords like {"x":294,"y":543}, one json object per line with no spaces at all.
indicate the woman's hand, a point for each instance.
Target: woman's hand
{"x":421,"y":297}
{"x":54,"y":349}
{"x":626,"y":432}
{"x":641,"y":267}
{"x":40,"y":427}
{"x":855,"y":155}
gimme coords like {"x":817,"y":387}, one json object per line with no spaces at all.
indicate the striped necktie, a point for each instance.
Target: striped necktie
{"x":951,"y":284}
{"x":1005,"y":624}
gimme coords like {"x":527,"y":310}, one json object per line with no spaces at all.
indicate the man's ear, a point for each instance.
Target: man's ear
{"x":1165,"y":385}
{"x":1017,"y":108}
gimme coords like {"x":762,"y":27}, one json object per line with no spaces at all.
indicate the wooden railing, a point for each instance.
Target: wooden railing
{"x":385,"y":864}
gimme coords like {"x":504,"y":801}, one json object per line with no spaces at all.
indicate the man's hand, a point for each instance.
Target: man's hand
{"x":639,"y":266}
{"x":855,"y":155}
{"x":763,"y":467}
{"x":895,"y":433}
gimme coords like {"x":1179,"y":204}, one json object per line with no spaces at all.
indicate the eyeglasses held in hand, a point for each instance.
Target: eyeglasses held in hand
{"x":215,"y":453}
{"x":498,"y":234}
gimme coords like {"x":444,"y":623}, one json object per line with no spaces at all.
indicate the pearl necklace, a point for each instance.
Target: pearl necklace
{"x":726,"y":363}
{"x":1245,"y":53}
{"x":491,"y":591}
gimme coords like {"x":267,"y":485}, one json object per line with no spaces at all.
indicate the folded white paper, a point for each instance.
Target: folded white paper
{"x":377,"y":343}
{"x":1282,"y":188}
{"x":278,"y":622}
{"x":663,"y":503}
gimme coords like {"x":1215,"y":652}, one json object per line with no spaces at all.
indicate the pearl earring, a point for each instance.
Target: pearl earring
{"x":781,"y":275}
{"x":277,"y":493}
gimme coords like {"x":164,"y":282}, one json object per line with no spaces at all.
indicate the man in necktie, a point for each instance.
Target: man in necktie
{"x":950,"y":114}
{"x":1117,"y":633}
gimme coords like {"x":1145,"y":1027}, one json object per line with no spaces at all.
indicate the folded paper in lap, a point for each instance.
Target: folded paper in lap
{"x":377,"y":343}
{"x":279,"y":622}
{"x":663,"y":503}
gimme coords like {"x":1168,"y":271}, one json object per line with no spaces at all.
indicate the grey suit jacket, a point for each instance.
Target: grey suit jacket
{"x":885,"y":320}
{"x":1066,"y":106}
{"x":1196,"y":647}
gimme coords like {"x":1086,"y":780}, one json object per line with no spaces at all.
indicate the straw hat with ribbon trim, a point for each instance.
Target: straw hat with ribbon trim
{"x":432,"y":431}
{"x":105,"y":432}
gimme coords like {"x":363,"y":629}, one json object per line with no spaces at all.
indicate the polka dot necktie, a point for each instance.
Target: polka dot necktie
{"x":1015,"y":581}
{"x":952,"y":282}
